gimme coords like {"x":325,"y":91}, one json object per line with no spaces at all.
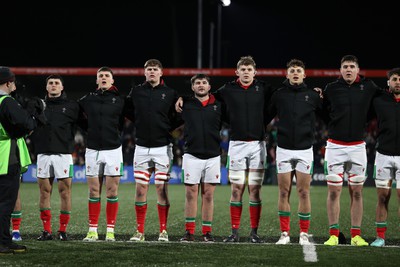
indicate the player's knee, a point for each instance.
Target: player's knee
{"x":303,"y":193}
{"x":208,"y":197}
{"x":334,"y":180}
{"x":357,"y":180}
{"x":237,"y":177}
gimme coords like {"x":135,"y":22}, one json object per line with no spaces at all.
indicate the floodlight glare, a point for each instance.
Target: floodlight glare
{"x":226,"y":2}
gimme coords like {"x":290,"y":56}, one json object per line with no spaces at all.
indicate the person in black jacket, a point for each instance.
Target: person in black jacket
{"x":347,"y":101}
{"x":151,"y":107}
{"x":53,"y":145}
{"x":201,"y":167}
{"x":246,"y":100}
{"x":15,"y":124}
{"x":295,"y":105}
{"x":16,"y":215}
{"x":387,"y":158}
{"x":102,"y":117}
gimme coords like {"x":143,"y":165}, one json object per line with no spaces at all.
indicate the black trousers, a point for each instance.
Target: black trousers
{"x":9,"y":186}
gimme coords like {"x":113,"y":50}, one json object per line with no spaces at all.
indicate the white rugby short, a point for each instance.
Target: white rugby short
{"x":243,"y":155}
{"x":387,"y":168}
{"x":104,"y":162}
{"x":195,"y":170}
{"x":159,"y":158}
{"x":54,"y":165}
{"x":289,"y":160}
{"x":341,"y":159}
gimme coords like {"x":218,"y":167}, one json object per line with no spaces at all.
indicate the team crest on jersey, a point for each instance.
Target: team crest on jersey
{"x":63,"y":110}
{"x":362,"y":87}
{"x":163,"y":96}
{"x":114,"y":100}
{"x":215,"y":107}
{"x":257,"y":88}
{"x":307,"y":98}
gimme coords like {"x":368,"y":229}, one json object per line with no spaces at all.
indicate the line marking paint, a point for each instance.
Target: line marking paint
{"x":310,"y":252}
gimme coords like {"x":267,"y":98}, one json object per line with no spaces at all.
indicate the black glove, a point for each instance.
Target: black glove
{"x":36,"y":107}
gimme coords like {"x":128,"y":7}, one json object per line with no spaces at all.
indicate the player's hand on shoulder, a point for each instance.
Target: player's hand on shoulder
{"x":179,"y":105}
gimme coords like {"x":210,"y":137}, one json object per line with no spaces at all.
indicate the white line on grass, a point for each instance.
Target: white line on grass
{"x":310,"y":252}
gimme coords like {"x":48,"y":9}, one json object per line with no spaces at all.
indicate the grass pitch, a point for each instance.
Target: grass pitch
{"x":174,"y":253}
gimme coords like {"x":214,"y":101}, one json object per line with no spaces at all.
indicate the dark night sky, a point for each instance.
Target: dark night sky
{"x":126,"y":35}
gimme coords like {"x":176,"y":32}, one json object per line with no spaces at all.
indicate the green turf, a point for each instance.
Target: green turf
{"x":152,"y":253}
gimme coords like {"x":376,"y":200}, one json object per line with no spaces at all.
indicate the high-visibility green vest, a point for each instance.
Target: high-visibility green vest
{"x":5,"y":146}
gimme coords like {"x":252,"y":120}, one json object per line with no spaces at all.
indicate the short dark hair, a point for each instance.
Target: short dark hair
{"x":350,"y":58}
{"x":199,"y":76}
{"x":153,"y":63}
{"x":296,"y":63}
{"x":246,"y":60}
{"x":55,"y":76}
{"x":395,"y":71}
{"x":104,"y":68}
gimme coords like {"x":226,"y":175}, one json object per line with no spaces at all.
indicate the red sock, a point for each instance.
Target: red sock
{"x":355,"y":231}
{"x":304,"y":225}
{"x":304,"y":221}
{"x":381,"y":232}
{"x":141,"y":210}
{"x":94,"y":212}
{"x":381,"y":229}
{"x":190,"y":225}
{"x":45,"y":216}
{"x":163,"y":216}
{"x":111,"y":211}
{"x":334,"y":230}
{"x":236,"y":214}
{"x":206,"y":227}
{"x":16,"y":218}
{"x":64,"y":220}
{"x":255,"y":213}
{"x":284,"y":220}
